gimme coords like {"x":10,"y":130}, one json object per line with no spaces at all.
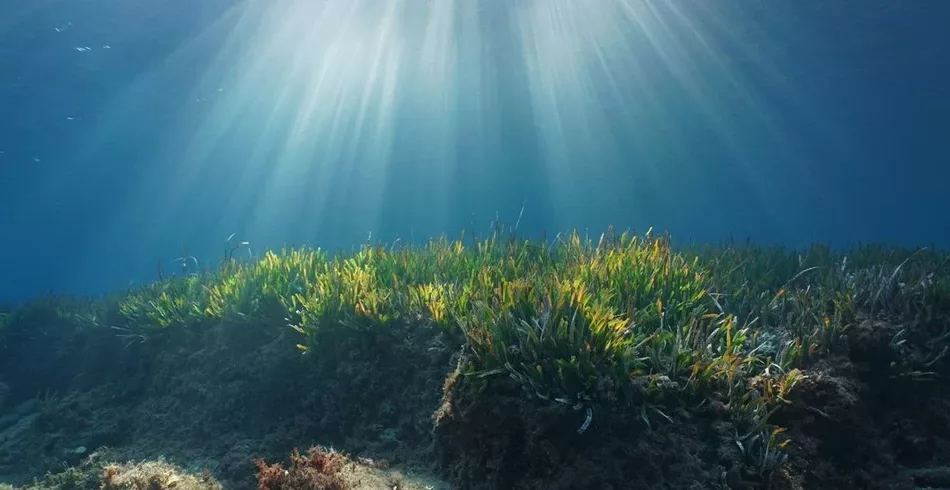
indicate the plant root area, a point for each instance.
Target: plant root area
{"x":227,"y":406}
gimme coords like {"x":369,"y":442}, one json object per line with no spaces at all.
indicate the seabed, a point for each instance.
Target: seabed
{"x":618,"y":361}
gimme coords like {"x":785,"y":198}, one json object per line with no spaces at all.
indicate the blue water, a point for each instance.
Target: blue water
{"x":133,"y":133}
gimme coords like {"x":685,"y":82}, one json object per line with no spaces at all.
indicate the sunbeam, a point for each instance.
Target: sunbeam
{"x":315,"y":117}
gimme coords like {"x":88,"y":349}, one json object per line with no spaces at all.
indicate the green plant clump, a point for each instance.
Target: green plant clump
{"x":577,"y":320}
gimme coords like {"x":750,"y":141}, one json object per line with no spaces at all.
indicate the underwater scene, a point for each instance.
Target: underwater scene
{"x":474,"y":244}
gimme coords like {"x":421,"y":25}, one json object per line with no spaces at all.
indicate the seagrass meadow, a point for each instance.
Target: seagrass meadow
{"x":611,"y":361}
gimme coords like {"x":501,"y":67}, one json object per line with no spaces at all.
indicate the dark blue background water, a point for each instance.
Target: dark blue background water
{"x":781,"y":121}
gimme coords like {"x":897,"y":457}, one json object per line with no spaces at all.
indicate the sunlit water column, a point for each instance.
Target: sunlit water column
{"x":349,"y":110}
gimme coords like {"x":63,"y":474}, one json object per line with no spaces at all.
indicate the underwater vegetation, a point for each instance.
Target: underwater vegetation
{"x":616,"y":361}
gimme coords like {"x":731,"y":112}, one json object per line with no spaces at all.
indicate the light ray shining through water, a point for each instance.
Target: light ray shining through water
{"x":312,"y":115}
